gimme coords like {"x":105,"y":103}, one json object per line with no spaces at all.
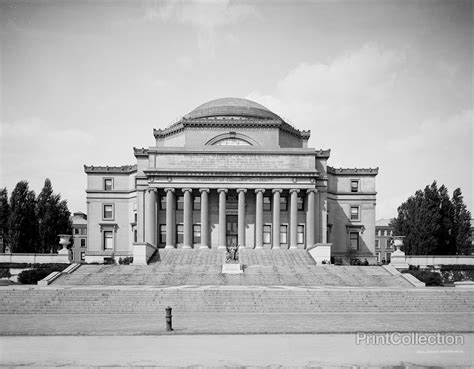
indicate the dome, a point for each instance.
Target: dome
{"x":231,"y":106}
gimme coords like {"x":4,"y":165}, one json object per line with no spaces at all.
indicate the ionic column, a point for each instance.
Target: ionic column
{"x":170,"y":218}
{"x":241,"y":218}
{"x":204,"y":218}
{"x":259,"y":218}
{"x":150,"y":219}
{"x":276,"y":218}
{"x":222,"y":218}
{"x":294,"y":218}
{"x":140,"y":216}
{"x":188,"y":219}
{"x":310,"y":217}
{"x":323,"y":203}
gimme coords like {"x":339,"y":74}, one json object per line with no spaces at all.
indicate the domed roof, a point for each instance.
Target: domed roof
{"x":231,"y":106}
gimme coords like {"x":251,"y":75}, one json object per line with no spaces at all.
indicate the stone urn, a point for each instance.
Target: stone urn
{"x":64,"y":241}
{"x":398,"y":243}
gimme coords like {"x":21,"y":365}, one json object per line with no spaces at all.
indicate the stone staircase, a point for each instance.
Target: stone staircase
{"x":149,"y":300}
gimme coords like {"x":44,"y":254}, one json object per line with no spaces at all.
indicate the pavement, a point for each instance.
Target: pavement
{"x":231,"y":323}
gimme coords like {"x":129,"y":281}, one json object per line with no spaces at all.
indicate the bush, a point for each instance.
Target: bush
{"x":32,"y":276}
{"x":426,"y":276}
{"x":126,"y":260}
{"x":456,"y":267}
{"x":58,"y":266}
{"x":5,"y":273}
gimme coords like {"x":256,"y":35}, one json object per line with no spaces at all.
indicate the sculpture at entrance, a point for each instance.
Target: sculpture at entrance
{"x":232,"y":256}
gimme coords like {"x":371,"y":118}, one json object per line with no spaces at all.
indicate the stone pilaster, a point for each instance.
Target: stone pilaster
{"x":310,"y":219}
{"x":170,"y":218}
{"x":150,"y":216}
{"x":222,"y":218}
{"x":204,"y":218}
{"x":188,"y":219}
{"x":241,"y":218}
{"x":294,"y":218}
{"x":259,"y":218}
{"x":276,"y":218}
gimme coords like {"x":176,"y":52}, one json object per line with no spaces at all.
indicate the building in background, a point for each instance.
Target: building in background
{"x":383,"y":241}
{"x":230,"y":172}
{"x":79,"y":237}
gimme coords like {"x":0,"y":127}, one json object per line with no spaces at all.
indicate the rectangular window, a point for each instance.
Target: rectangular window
{"x":108,"y":183}
{"x":388,"y":257}
{"x":197,"y":203}
{"x":179,"y":202}
{"x":135,"y":217}
{"x":76,"y":230}
{"x":267,"y":234}
{"x":84,"y":231}
{"x":162,"y":233}
{"x":83,"y":242}
{"x":300,"y":235}
{"x":108,"y":213}
{"x":300,"y":205}
{"x":377,"y":244}
{"x":389,"y":243}
{"x":283,"y":234}
{"x":284,"y":203}
{"x":378,"y":256}
{"x":355,"y":213}
{"x":108,"y":240}
{"x":354,"y":185}
{"x":267,"y":203}
{"x":179,"y":233}
{"x":135,"y":236}
{"x":162,"y":202}
{"x":83,"y":255}
{"x":196,"y":233}
{"x":354,"y":240}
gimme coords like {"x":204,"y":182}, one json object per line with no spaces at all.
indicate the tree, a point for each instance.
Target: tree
{"x":4,"y":215}
{"x":430,"y":222}
{"x":22,"y":222}
{"x":461,"y":235}
{"x":53,"y":218}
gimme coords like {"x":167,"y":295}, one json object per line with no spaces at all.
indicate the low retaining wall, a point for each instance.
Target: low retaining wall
{"x":34,"y":258}
{"x":424,"y":260}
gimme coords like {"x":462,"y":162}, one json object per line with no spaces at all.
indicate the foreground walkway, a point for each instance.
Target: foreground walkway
{"x":229,"y":323}
{"x":331,"y":351}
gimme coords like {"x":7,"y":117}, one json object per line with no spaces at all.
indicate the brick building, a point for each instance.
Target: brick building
{"x":79,"y":236}
{"x":229,"y":172}
{"x":383,"y":240}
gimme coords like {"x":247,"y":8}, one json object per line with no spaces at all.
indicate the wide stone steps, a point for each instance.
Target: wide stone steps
{"x":251,"y":300}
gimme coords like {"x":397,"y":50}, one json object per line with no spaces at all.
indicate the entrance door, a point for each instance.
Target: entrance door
{"x":231,"y":231}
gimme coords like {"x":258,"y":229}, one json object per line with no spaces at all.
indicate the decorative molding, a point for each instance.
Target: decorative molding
{"x":124,"y":169}
{"x":169,"y":173}
{"x":353,"y":171}
{"x":140,"y":151}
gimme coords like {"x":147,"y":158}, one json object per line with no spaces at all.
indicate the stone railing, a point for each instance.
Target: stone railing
{"x":34,"y":258}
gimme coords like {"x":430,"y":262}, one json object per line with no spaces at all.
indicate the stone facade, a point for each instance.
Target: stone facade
{"x":229,"y":172}
{"x":383,"y":241}
{"x":79,"y":237}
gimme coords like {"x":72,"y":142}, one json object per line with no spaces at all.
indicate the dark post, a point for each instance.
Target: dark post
{"x":169,"y":325}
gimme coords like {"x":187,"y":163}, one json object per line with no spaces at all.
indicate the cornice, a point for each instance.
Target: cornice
{"x":177,"y":173}
{"x":124,"y":169}
{"x":353,"y":171}
{"x":140,"y":151}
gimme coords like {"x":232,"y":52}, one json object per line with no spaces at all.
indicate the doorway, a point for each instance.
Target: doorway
{"x":231,"y":230}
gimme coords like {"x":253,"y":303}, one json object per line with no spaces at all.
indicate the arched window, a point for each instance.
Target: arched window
{"x":232,"y":142}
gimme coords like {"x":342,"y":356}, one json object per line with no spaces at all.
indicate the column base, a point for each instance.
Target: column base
{"x":276,"y":247}
{"x":169,"y":247}
{"x":186,"y":247}
{"x":293,"y":248}
{"x":222,"y":248}
{"x":259,"y":247}
{"x":204,"y":247}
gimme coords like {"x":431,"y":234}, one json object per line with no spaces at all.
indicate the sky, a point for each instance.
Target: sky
{"x":383,"y":84}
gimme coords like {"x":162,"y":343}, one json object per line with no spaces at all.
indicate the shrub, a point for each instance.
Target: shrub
{"x":5,"y":273}
{"x":126,"y":260}
{"x":426,"y":276}
{"x":456,"y":267}
{"x":32,"y":276}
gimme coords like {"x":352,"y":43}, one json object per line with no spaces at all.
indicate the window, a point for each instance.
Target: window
{"x":197,"y":203}
{"x":108,"y":213}
{"x":162,"y":202}
{"x":135,"y":217}
{"x":84,"y":231}
{"x":300,"y":205}
{"x":377,"y":244}
{"x":388,"y":257}
{"x":378,"y":256}
{"x":83,"y":255}
{"x":83,"y":242}
{"x":76,"y":230}
{"x":355,"y":213}
{"x":267,"y":234}
{"x":179,"y":233}
{"x":108,"y":183}
{"x":232,"y":142}
{"x":283,"y":234}
{"x":389,"y":243}
{"x":300,"y":235}
{"x":162,"y":233}
{"x":197,"y":233}
{"x":180,"y":203}
{"x":267,"y":203}
{"x":108,"y":240}
{"x":354,"y":185}
{"x":135,"y":235}
{"x":283,"y":203}
{"x":354,"y":240}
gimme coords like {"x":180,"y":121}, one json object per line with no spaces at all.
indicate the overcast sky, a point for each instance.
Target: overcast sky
{"x":381,"y":83}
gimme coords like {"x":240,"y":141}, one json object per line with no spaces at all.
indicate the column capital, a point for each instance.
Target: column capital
{"x":257,"y":190}
{"x":204,"y":190}
{"x":244,"y":190}
{"x":277,"y":190}
{"x":187,"y":189}
{"x":222,"y":190}
{"x":311,"y":190}
{"x":168,"y":189}
{"x":152,"y":190}
{"x":292,"y":190}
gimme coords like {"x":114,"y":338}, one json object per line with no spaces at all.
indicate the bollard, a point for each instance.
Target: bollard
{"x":169,"y":325}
